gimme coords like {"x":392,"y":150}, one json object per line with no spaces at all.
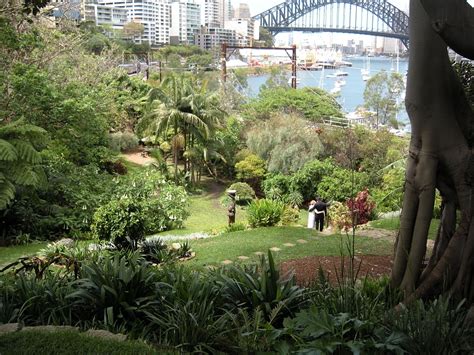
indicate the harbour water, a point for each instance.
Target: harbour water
{"x":352,"y":94}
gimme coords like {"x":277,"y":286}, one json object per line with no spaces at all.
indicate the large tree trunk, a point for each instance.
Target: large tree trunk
{"x":440,"y":158}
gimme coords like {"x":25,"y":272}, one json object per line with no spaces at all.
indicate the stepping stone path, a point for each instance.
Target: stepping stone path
{"x":302,"y":241}
{"x":289,"y":245}
{"x":227,"y":262}
{"x":243,"y":258}
{"x":275,"y":249}
{"x":259,"y":253}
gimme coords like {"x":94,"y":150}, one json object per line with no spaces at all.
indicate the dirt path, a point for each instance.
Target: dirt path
{"x":137,"y":158}
{"x":214,"y":190}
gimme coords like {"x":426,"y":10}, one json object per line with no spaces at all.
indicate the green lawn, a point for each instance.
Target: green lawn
{"x":230,"y":246}
{"x":394,"y":224}
{"x":69,"y":342}
{"x":10,"y":254}
{"x":207,"y":215}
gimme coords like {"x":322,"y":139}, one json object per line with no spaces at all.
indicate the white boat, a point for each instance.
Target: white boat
{"x":340,"y":82}
{"x":335,"y":90}
{"x":340,"y":73}
{"x":337,"y":74}
{"x":365,"y":72}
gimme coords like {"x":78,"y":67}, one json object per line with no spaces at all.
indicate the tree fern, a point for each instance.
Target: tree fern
{"x":7,"y":151}
{"x":19,"y":158}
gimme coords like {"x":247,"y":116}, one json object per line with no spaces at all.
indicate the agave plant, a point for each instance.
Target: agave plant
{"x":262,"y":287}
{"x":115,"y":290}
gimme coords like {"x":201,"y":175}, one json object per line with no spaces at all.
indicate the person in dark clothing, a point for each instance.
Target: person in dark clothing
{"x":320,"y":210}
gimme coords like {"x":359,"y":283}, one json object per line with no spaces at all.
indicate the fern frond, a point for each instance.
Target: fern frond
{"x":26,"y":151}
{"x":19,"y":128}
{"x":7,"y":151}
{"x":22,"y":174}
{"x":7,"y":193}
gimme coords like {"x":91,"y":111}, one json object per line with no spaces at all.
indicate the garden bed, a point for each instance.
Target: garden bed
{"x":306,"y":269}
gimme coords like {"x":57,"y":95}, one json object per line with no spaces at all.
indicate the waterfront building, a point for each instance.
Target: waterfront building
{"x":247,"y":30}
{"x":214,"y":13}
{"x":185,"y":21}
{"x":154,"y":15}
{"x":212,"y":37}
{"x":105,"y":15}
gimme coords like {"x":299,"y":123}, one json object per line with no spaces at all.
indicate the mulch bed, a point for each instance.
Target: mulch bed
{"x":306,"y":269}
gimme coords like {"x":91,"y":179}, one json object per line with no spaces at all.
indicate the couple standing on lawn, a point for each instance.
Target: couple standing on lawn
{"x":317,"y":211}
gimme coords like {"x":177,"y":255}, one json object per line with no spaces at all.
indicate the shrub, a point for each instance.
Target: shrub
{"x":361,"y":207}
{"x":294,"y":198}
{"x":265,"y":213}
{"x":251,"y":168}
{"x":165,"y":205}
{"x":341,"y":184}
{"x":123,"y":141}
{"x":340,"y":216}
{"x":121,"y":222}
{"x":115,"y":290}
{"x":307,"y":179}
{"x":245,"y":194}
{"x":276,"y":185}
{"x":235,"y":227}
{"x":290,"y":216}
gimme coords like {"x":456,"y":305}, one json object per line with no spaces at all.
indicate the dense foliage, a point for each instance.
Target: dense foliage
{"x":233,"y":310}
{"x":311,"y":103}
{"x":285,"y":142}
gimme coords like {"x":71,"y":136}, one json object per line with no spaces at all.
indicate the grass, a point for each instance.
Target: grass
{"x":207,"y":215}
{"x":230,"y":246}
{"x":10,"y":254}
{"x":394,"y":224}
{"x":68,"y":342}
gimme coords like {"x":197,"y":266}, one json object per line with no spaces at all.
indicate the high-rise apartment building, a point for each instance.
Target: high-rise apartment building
{"x":185,"y":21}
{"x":105,"y":15}
{"x":154,"y":15}
{"x":214,"y":13}
{"x":242,"y":11}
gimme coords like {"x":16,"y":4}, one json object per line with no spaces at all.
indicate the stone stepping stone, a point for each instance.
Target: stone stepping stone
{"x":259,"y":253}
{"x":227,"y":262}
{"x":275,"y":249}
{"x":302,"y":241}
{"x":289,"y":245}
{"x":243,"y":258}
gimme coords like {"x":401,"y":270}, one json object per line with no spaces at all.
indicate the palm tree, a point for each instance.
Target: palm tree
{"x":182,"y":109}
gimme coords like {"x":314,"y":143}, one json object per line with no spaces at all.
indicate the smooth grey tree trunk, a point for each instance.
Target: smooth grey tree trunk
{"x":441,"y":156}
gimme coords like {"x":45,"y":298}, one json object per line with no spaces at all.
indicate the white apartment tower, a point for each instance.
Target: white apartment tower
{"x":154,"y":15}
{"x":185,"y":20}
{"x":214,"y":13}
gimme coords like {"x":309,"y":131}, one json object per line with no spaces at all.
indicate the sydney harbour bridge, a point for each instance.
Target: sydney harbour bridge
{"x":367,"y":17}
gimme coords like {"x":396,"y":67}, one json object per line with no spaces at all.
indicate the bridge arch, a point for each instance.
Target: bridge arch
{"x":280,"y":17}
